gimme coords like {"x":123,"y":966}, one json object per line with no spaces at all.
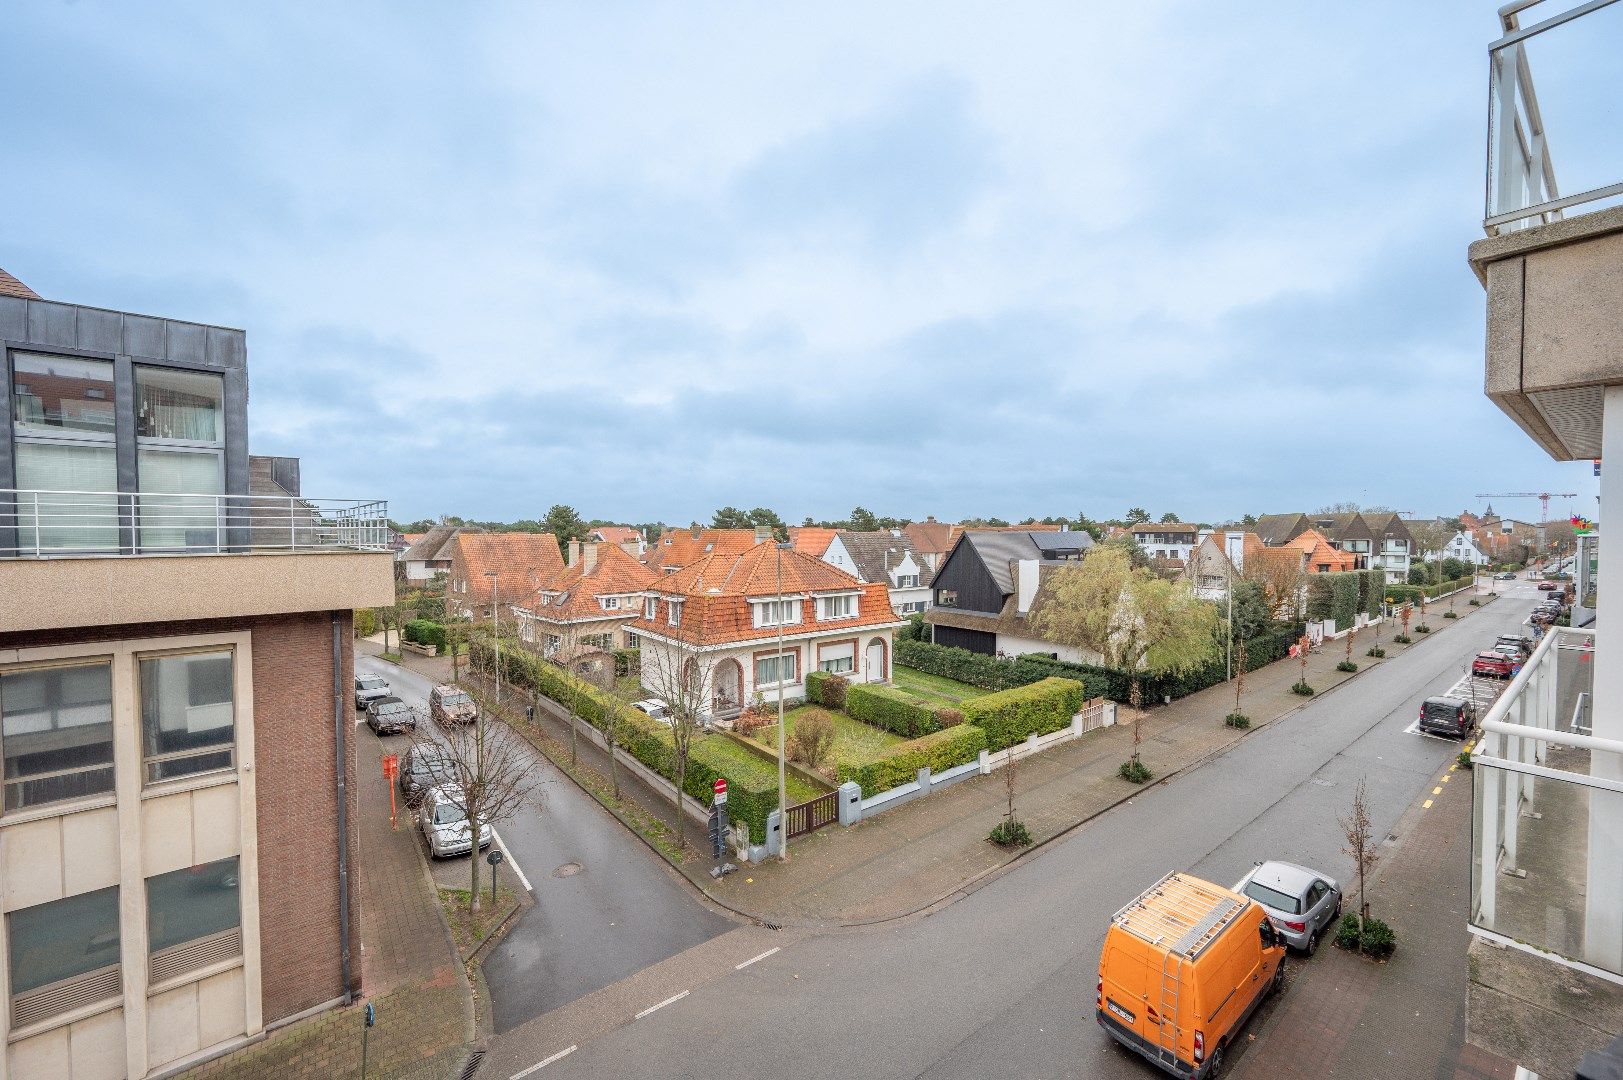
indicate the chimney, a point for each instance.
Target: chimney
{"x":1026,"y":584}
{"x":572,"y":555}
{"x":697,"y":529}
{"x":588,"y":556}
{"x":763,"y":532}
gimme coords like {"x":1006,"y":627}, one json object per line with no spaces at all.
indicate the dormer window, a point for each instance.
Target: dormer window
{"x":836,"y":607}
{"x":775,"y":612}
{"x":611,"y":603}
{"x":650,"y":608}
{"x":674,"y":612}
{"x":907,"y":581}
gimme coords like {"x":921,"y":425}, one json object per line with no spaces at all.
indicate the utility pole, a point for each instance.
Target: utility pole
{"x":783,"y":780}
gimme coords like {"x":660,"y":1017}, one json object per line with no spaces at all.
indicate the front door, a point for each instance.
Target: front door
{"x":876,"y":661}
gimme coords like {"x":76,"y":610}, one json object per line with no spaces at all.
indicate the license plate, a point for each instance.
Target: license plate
{"x":1120,"y":1012}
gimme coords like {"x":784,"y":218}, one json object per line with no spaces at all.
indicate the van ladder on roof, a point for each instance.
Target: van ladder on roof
{"x":1166,"y":1010}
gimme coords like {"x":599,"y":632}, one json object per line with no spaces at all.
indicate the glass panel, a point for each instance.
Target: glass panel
{"x":172,"y":404}
{"x":59,"y":393}
{"x":184,"y":905}
{"x":66,"y":522}
{"x":61,"y":939}
{"x":180,"y":522}
{"x":187,"y":722}
{"x":56,"y":728}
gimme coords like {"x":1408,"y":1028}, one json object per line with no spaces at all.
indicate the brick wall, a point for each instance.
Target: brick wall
{"x":297,"y":802}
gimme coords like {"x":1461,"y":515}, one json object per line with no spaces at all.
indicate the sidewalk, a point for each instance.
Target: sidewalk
{"x":1347,"y":1018}
{"x":409,"y":971}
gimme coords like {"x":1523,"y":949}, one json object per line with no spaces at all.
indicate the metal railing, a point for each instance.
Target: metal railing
{"x":54,"y":524}
{"x":1521,"y":183}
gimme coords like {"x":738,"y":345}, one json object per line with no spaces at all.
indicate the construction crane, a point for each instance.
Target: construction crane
{"x":1543,"y":498}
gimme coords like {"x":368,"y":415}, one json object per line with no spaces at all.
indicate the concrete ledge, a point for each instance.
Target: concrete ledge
{"x":1538,"y":1013}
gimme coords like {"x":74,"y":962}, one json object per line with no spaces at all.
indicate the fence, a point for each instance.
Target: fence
{"x":1095,"y":715}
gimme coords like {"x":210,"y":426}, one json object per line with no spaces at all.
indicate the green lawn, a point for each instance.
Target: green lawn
{"x":855,"y":743}
{"x":737,"y":763}
{"x":933,"y":686}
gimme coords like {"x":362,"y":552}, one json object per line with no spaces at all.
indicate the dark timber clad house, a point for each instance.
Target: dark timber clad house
{"x":987,"y":584}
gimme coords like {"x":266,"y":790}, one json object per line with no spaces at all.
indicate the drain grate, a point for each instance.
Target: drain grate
{"x":473,"y":1064}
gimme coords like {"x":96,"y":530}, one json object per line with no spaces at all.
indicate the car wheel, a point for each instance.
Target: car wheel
{"x":1277,"y":985}
{"x":1215,"y":1066}
{"x":1338,"y":909}
{"x":1312,"y":944}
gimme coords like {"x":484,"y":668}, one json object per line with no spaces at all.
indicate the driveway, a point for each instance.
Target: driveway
{"x":606,"y":907}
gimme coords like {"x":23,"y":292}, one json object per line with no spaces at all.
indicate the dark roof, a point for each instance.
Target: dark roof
{"x":1276,"y":529}
{"x":434,"y":545}
{"x":877,"y":553}
{"x":1343,"y":526}
{"x":998,"y":549}
{"x":10,"y":286}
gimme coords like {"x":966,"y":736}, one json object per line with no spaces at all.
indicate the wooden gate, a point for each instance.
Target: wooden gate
{"x":813,"y":815}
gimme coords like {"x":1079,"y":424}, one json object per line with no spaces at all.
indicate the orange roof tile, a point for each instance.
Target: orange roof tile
{"x":573,"y":593}
{"x":10,"y":286}
{"x":680,"y":547}
{"x":812,"y":539}
{"x":618,"y":534}
{"x":521,"y":561}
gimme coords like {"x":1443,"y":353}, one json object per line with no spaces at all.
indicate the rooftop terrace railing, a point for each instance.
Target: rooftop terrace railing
{"x":54,"y":524}
{"x":1521,"y":178}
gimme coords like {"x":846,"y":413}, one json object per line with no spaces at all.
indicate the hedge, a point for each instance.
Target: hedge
{"x":938,"y":751}
{"x":425,"y":632}
{"x":1411,"y":594}
{"x":889,"y":708}
{"x":646,"y":740}
{"x":1010,"y":716}
{"x":1338,"y":596}
{"x":828,"y":690}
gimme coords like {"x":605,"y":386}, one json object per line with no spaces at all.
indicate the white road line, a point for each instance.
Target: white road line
{"x":508,"y":855}
{"x":661,"y":1005}
{"x":543,"y":1064}
{"x":751,"y":960}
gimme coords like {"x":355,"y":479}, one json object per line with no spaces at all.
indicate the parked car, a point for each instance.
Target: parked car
{"x":389,"y":715}
{"x":369,"y":688}
{"x":1182,"y":968}
{"x":451,"y":705}
{"x":1449,"y":716}
{"x":1508,"y":575}
{"x":445,"y":825}
{"x":1520,"y":643}
{"x":654,"y":708}
{"x":1302,"y":904}
{"x":1547,"y":586}
{"x":421,"y":768}
{"x":1492,"y":664}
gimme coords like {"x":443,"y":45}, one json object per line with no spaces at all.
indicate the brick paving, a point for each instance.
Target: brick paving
{"x":409,"y":970}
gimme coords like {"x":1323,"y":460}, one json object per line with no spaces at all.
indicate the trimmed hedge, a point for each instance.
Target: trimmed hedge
{"x":1412,"y":594}
{"x":888,"y":708}
{"x":828,"y":690}
{"x":1010,"y":716}
{"x":627,"y":662}
{"x":425,"y":632}
{"x":939,"y":751}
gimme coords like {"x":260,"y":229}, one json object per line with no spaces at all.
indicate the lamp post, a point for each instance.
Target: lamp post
{"x":783,"y":781}
{"x":495,"y":637}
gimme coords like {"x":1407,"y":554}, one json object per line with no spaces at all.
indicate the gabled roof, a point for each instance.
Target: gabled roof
{"x":574,"y":593}
{"x":521,"y":561}
{"x":756,"y":572}
{"x":10,"y":286}
{"x":433,"y":545}
{"x":876,"y":554}
{"x":998,"y":548}
{"x":1342,"y":526}
{"x":1320,"y":552}
{"x":1276,"y":529}
{"x":812,"y":539}
{"x":1165,"y":527}
{"x":930,"y":537}
{"x":682,"y":547}
{"x":617,"y":534}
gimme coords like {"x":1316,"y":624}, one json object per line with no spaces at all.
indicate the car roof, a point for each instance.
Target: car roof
{"x":1285,"y":877}
{"x":386,"y":699}
{"x":445,"y":792}
{"x":1445,"y":699}
{"x":447,"y":688}
{"x":1489,"y":654}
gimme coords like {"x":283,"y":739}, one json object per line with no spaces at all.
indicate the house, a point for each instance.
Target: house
{"x":887,"y":557}
{"x":931,"y":540}
{"x":1461,"y":546}
{"x":1320,"y":556}
{"x":714,"y":626}
{"x":1220,"y":557}
{"x":988,"y":584}
{"x":587,"y":605}
{"x":629,"y":538}
{"x":1503,"y":539}
{"x":1397,"y":547}
{"x":1377,"y":540}
{"x":174,"y":705}
{"x":812,"y":539}
{"x":1168,"y":544}
{"x":430,"y":555}
{"x":677,"y":548}
{"x":498,"y":567}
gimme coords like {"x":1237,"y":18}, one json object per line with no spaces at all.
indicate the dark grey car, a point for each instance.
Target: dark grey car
{"x":387,"y":715}
{"x":1302,"y":904}
{"x":421,"y":768}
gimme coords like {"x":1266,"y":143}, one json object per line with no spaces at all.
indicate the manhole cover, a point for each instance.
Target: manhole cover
{"x":568,"y":869}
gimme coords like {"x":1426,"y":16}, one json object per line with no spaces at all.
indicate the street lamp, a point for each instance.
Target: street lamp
{"x":495,"y":637}
{"x":783,"y":781}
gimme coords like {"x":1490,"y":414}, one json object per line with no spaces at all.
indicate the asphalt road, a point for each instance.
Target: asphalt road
{"x":1001,"y":983}
{"x":606,"y":907}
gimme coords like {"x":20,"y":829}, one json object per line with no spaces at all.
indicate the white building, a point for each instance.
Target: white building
{"x":888,"y":558}
{"x":1168,"y":542}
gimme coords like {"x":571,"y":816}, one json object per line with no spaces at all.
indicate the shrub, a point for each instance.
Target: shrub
{"x":425,"y":632}
{"x":627,"y":662}
{"x":939,"y":751}
{"x":1237,"y":720}
{"x":889,"y":708}
{"x":1422,"y":628}
{"x":366,"y":622}
{"x":823,"y":688}
{"x":1379,"y":940}
{"x":1474,"y":602}
{"x":1346,"y":665}
{"x":1377,"y":652}
{"x":1450,"y":615}
{"x":948,"y":717}
{"x":1403,"y":639}
{"x":1009,"y":716}
{"x":1134,"y":771}
{"x":812,"y":738}
{"x":1301,"y":687}
{"x":1010,"y":832}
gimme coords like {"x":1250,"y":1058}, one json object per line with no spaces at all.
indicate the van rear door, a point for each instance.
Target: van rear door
{"x":1124,"y":975}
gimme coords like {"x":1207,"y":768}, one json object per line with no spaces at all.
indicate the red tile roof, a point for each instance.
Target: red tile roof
{"x":680,"y":547}
{"x":812,"y":539}
{"x":521,"y":562}
{"x":615,"y":573}
{"x":10,"y":286}
{"x":617,"y":534}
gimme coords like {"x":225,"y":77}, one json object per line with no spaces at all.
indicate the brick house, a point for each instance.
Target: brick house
{"x":178,"y":868}
{"x":499,"y":567}
{"x":587,"y":606}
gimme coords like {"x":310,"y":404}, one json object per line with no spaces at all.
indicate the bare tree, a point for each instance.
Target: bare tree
{"x":491,"y":777}
{"x":456,"y":642}
{"x":682,"y":673}
{"x":1359,"y":831}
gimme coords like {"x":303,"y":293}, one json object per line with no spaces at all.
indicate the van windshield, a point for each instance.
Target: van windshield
{"x":1273,"y":898}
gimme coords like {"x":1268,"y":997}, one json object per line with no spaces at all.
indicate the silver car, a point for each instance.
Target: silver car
{"x":1302,"y":904}
{"x":369,"y":688}
{"x":445,"y":826}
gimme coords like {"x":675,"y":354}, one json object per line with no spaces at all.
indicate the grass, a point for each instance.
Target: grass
{"x":470,"y":929}
{"x":855,"y":743}
{"x":737,"y":763}
{"x":933,"y":686}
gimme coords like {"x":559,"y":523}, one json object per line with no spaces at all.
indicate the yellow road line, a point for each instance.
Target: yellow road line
{"x":1426,"y":805}
{"x":1437,"y":790}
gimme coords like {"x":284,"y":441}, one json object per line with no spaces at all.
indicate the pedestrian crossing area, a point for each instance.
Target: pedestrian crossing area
{"x":1479,"y":690}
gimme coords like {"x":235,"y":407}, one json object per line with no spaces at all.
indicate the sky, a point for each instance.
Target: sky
{"x":652,"y":259}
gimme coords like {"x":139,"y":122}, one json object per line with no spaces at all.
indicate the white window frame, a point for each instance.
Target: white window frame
{"x":762,"y":612}
{"x":611,"y":603}
{"x":907,"y":581}
{"x":650,"y":607}
{"x":791,"y":658}
{"x":825,"y":604}
{"x":673,"y":614}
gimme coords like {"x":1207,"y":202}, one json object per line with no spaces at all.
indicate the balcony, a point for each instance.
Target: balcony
{"x":86,"y":558}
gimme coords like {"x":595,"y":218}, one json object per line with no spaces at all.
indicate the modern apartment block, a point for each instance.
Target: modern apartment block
{"x":177,"y":859}
{"x":1547,"y":843}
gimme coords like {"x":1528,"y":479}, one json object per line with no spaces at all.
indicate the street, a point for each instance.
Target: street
{"x":1001,"y":982}
{"x":605,"y":906}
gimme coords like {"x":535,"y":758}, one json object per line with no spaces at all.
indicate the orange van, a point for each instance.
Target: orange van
{"x":1182,"y":968}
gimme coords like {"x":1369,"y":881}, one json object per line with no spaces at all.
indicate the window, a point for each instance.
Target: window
{"x":56,"y":731}
{"x":194,"y":918}
{"x":837,"y":666}
{"x":611,"y":603}
{"x":907,"y":581}
{"x":188,"y":722}
{"x":597,"y":641}
{"x":64,"y":955}
{"x":650,"y":608}
{"x":775,"y":669}
{"x":180,"y":439}
{"x":776,"y":612}
{"x":186,"y":406}
{"x":60,"y":394}
{"x":62,"y":416}
{"x":837,"y":659}
{"x":673,"y":612}
{"x":946,"y":598}
{"x":836,"y":607}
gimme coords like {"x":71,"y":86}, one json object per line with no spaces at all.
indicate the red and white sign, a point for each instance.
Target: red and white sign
{"x":391,"y":766}
{"x":721,"y":790}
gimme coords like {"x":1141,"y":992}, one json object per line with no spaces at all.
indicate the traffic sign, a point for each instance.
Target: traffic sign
{"x":391,"y":766}
{"x":721,"y":791}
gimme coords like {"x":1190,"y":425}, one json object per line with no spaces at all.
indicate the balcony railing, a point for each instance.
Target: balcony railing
{"x":1547,"y":834}
{"x":1521,"y":181}
{"x":41,"y":524}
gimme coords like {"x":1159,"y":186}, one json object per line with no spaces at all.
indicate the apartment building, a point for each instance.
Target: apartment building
{"x":177,"y":858}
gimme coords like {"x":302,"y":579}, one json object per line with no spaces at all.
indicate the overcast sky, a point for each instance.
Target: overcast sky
{"x":650,"y":259}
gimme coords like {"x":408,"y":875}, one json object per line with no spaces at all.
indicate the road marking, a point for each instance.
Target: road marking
{"x":508,"y":855}
{"x":1438,"y":790}
{"x":1426,"y":805}
{"x":751,"y":960}
{"x":1445,"y":775}
{"x":661,"y":1005}
{"x":543,"y":1064}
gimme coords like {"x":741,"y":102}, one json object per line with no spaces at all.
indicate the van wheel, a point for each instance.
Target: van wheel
{"x":1215,"y":1066}
{"x":1277,"y":984}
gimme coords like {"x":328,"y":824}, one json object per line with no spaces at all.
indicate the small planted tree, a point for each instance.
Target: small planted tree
{"x":1359,"y":832}
{"x":1011,"y":831}
{"x":681,"y":671}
